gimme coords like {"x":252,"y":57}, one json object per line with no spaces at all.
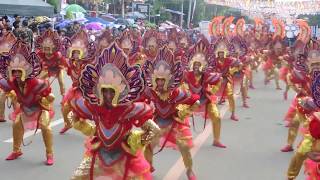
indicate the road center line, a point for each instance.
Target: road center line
{"x":178,"y":168}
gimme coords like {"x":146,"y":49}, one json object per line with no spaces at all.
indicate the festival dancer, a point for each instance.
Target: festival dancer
{"x":309,"y":108}
{"x":301,"y":84}
{"x":6,"y":43}
{"x":110,"y":86}
{"x":204,"y":83}
{"x":104,"y":40}
{"x":79,"y":52}
{"x":227,"y":67}
{"x":275,"y":53}
{"x":172,"y":106}
{"x":240,"y":54}
{"x":151,"y":43}
{"x":53,"y":63}
{"x":184,"y":43}
{"x":131,"y":48}
{"x":298,"y":79}
{"x":286,"y":68}
{"x":33,"y":95}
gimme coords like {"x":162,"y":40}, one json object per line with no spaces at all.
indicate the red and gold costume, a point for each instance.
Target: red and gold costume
{"x":300,"y":82}
{"x":275,"y":53}
{"x":184,"y":43}
{"x":227,"y":67}
{"x":33,"y":95}
{"x":205,"y":83}
{"x":104,"y":41}
{"x":80,"y":44}
{"x":6,"y":43}
{"x":245,"y":73}
{"x":52,"y":61}
{"x":309,"y":108}
{"x":151,"y":43}
{"x":131,"y":47}
{"x":172,"y":106}
{"x":115,"y":150}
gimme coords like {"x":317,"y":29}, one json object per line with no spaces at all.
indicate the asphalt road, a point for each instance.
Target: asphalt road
{"x":252,"y":153}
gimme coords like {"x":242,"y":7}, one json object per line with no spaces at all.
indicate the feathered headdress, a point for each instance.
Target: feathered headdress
{"x":240,"y":27}
{"x":314,"y":62}
{"x":279,"y":27}
{"x":313,"y":54}
{"x":215,"y":26}
{"x":200,"y":52}
{"x":21,"y":58}
{"x":222,"y":45}
{"x":172,"y":39}
{"x":304,"y":31}
{"x":104,"y":40}
{"x":165,"y":67}
{"x":183,"y":39}
{"x":80,"y":42}
{"x":49,"y":39}
{"x":239,"y":46}
{"x":111,"y":70}
{"x":6,"y":43}
{"x":151,"y":37}
{"x":226,"y":27}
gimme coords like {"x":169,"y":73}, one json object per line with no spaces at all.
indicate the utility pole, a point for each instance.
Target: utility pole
{"x":189,"y":14}
{"x":122,"y":5}
{"x":181,"y":17}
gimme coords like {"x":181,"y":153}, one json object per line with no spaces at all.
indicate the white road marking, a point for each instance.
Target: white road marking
{"x":178,"y":168}
{"x":30,"y":133}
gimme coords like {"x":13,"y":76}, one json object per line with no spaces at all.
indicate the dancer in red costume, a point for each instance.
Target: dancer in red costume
{"x":33,"y":95}
{"x":287,"y":66}
{"x":115,"y":151}
{"x":245,"y":73}
{"x":104,"y":40}
{"x":131,"y":47}
{"x":6,"y":42}
{"x":301,"y":84}
{"x":151,"y":43}
{"x":309,"y":108}
{"x":79,"y":52}
{"x":53,"y":63}
{"x":227,"y":67}
{"x":299,"y":80}
{"x":202,"y":81}
{"x":184,"y":44}
{"x":172,"y":106}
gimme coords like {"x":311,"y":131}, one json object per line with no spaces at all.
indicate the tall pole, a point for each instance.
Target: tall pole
{"x":189,"y":13}
{"x":181,"y":17}
{"x":122,"y":5}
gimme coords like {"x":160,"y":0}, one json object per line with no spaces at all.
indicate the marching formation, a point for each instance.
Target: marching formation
{"x":135,"y":94}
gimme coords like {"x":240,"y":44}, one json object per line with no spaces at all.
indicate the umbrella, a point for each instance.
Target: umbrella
{"x":63,"y":24}
{"x":108,"y":17}
{"x":99,"y":20}
{"x":94,"y":26}
{"x":74,"y":8}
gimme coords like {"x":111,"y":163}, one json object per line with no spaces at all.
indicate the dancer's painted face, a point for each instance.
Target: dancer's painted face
{"x":17,"y":74}
{"x":221,"y":55}
{"x":108,"y":95}
{"x":76,"y":54}
{"x":126,"y":45}
{"x":160,"y":82}
{"x":196,"y":66}
{"x":47,"y":50}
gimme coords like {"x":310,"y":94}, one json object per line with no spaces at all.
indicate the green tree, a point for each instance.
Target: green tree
{"x":55,"y":4}
{"x":313,"y":20}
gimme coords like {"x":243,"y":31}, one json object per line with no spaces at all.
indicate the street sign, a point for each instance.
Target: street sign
{"x":143,"y":8}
